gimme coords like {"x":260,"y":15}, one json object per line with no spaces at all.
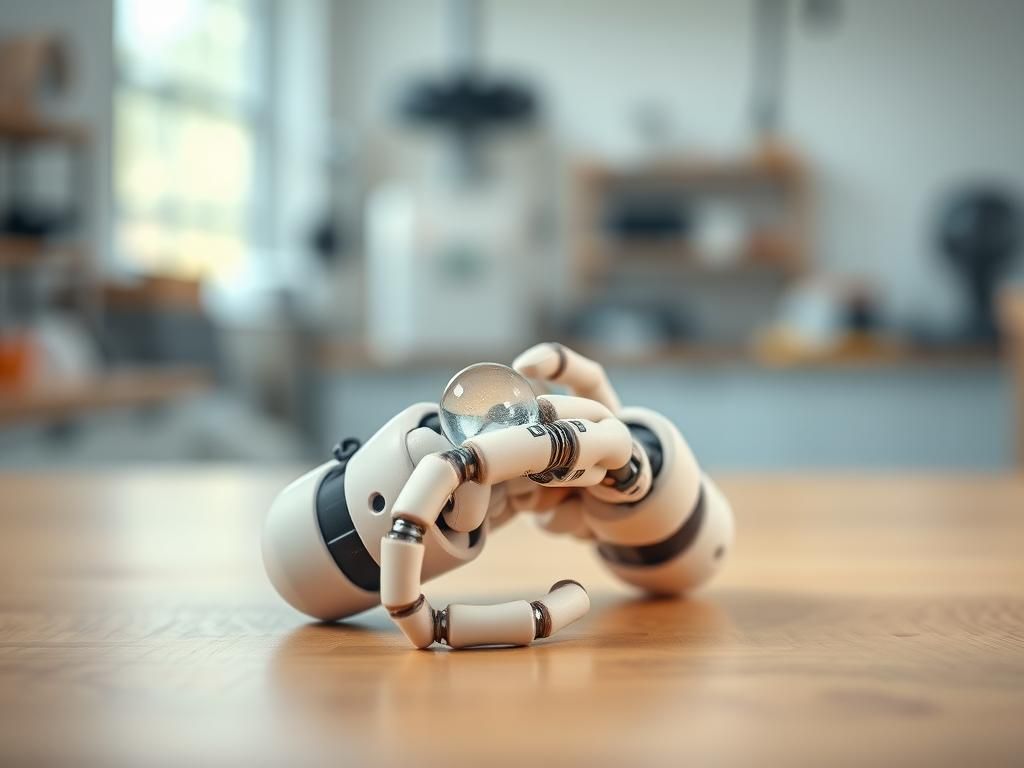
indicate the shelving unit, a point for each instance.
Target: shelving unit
{"x":20,"y":135}
{"x":25,"y":128}
{"x":38,"y":400}
{"x":781,"y":245}
{"x":27,"y":252}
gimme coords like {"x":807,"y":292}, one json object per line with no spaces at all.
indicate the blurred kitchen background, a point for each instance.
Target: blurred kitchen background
{"x":239,"y":230}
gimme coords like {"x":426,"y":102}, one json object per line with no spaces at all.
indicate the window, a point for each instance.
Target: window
{"x":191,"y":118}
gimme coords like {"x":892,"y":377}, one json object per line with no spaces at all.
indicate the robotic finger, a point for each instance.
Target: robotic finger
{"x":559,"y":449}
{"x":552,"y":362}
{"x":572,"y":407}
{"x":564,"y":451}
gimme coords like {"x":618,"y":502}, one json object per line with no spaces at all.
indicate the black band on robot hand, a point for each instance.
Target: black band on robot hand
{"x":340,"y":535}
{"x":651,"y":445}
{"x":565,"y":450}
{"x":563,"y":359}
{"x":661,"y":551}
{"x":464,"y":461}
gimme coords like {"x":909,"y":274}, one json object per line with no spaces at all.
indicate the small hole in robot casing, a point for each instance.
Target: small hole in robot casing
{"x":377,"y":503}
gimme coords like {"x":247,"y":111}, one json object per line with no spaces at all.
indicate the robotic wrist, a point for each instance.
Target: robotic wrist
{"x":676,"y":536}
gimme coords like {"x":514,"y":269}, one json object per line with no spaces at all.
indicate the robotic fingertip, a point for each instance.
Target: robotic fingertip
{"x":540,"y":361}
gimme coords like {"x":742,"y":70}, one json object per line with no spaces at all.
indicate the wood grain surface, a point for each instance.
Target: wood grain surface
{"x":862,"y":620}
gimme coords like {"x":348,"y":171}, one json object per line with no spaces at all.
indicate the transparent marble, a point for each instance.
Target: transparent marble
{"x":485,"y":397}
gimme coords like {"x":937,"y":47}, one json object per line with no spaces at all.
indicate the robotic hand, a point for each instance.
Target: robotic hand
{"x":370,"y":526}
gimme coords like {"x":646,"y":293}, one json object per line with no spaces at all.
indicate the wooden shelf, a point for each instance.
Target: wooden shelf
{"x":60,"y":400}
{"x":781,"y":244}
{"x":21,"y":252}
{"x":26,"y":128}
{"x":674,"y":258}
{"x":694,"y":171}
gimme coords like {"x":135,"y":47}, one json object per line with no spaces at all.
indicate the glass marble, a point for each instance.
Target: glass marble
{"x":485,"y":397}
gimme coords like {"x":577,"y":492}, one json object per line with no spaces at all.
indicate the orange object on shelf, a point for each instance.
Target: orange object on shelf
{"x":16,"y":359}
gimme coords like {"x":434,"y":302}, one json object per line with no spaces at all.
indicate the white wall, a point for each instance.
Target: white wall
{"x":909,"y":98}
{"x":902,"y":100}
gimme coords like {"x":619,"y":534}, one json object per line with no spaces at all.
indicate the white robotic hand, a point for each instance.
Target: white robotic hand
{"x":577,"y":443}
{"x":370,"y":526}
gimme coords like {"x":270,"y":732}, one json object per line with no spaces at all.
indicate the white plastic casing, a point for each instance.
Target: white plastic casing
{"x":296,"y":557}
{"x":666,"y":508}
{"x":566,"y":604}
{"x":418,"y":626}
{"x":400,"y":583}
{"x":503,"y":624}
{"x":698,"y":563}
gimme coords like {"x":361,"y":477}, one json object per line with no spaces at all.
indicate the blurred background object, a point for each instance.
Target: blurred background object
{"x":452,"y":249}
{"x":980,"y":235}
{"x":241,"y":229}
{"x":1011,"y":310}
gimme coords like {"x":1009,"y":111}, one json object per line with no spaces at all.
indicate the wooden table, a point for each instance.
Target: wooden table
{"x":865,"y":620}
